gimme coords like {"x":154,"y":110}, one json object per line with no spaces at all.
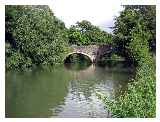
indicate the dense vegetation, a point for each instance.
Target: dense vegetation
{"x":128,"y":20}
{"x":34,"y":36}
{"x":84,"y":33}
{"x":140,"y":99}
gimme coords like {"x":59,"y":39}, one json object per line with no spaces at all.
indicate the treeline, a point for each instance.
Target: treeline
{"x":34,"y":36}
{"x":84,"y":33}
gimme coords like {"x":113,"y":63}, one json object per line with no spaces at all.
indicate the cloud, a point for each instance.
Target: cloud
{"x":98,"y":12}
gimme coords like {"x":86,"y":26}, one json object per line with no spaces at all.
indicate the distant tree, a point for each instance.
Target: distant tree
{"x":84,"y":33}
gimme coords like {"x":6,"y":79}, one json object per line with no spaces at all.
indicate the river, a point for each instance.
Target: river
{"x":63,"y":91}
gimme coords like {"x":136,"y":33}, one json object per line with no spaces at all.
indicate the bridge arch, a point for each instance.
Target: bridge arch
{"x":93,"y":52}
{"x":81,"y":53}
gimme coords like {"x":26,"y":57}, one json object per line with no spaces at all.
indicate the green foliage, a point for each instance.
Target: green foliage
{"x":123,"y":25}
{"x":140,"y":99}
{"x":84,"y":33}
{"x":128,"y":21}
{"x":35,"y":35}
{"x":16,"y":59}
{"x":148,"y":14}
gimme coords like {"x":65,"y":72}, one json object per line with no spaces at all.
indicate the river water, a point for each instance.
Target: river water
{"x":63,"y":91}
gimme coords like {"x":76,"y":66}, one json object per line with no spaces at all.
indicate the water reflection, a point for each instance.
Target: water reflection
{"x":33,"y":94}
{"x":62,"y":92}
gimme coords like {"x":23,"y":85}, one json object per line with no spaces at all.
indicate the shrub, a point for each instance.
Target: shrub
{"x":37,"y":35}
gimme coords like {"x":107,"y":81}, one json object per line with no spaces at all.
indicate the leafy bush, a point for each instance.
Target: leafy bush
{"x":36,"y":34}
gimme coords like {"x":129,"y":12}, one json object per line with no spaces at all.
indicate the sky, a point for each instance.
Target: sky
{"x":99,"y":12}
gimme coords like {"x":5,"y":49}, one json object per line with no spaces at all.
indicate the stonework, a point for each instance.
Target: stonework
{"x":94,"y":52}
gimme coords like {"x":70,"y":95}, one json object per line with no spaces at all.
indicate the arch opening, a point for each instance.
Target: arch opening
{"x":77,"y":61}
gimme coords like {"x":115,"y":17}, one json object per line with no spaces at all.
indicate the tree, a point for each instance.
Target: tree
{"x":128,"y":20}
{"x":148,"y":13}
{"x":84,"y":33}
{"x":35,"y":34}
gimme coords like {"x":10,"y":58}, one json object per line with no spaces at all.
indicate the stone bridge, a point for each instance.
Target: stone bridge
{"x":94,"y":52}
